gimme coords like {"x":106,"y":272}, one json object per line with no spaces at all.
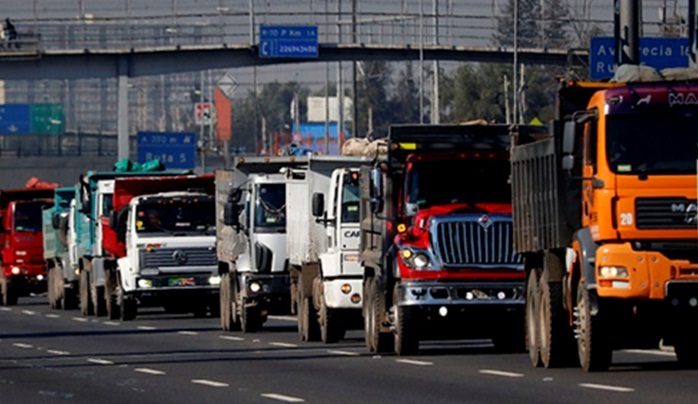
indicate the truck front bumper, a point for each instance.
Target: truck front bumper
{"x":465,"y":294}
{"x":622,"y":272}
{"x":176,"y":284}
{"x":343,"y":293}
{"x":271,"y":291}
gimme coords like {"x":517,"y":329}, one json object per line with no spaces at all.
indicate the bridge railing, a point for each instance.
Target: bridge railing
{"x":26,"y":44}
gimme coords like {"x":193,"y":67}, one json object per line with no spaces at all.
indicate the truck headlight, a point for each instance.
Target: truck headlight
{"x":420,"y":261}
{"x":214,"y":280}
{"x":613,"y":272}
{"x":16,"y":270}
{"x":145,"y":283}
{"x":255,"y":287}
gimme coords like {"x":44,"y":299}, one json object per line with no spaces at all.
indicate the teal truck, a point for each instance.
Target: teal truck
{"x":58,"y":221}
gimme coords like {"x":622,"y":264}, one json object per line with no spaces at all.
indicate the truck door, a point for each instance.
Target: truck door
{"x":589,"y":170}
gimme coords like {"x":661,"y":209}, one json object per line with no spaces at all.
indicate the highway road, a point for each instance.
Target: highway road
{"x":61,"y":357}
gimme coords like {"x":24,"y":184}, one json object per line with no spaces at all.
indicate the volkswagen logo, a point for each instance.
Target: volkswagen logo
{"x":179,"y":256}
{"x":485,"y":221}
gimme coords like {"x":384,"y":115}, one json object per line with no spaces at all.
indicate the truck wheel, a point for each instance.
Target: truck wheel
{"x":110,"y":292}
{"x":555,"y":338}
{"x":9,"y":294}
{"x":251,"y":319}
{"x":53,"y":289}
{"x":365,"y":312}
{"x":331,"y":327}
{"x":686,"y":350}
{"x":99,"y":302}
{"x":406,"y":329}
{"x":380,"y":341}
{"x":70,"y":296}
{"x":593,"y":345}
{"x":129,"y":308}
{"x":226,"y":302}
{"x":532,"y":318}
{"x":85,"y":299}
{"x":308,"y":326}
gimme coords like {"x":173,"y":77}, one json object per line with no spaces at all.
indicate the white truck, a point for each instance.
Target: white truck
{"x":251,"y":241}
{"x":323,"y":242}
{"x":164,"y":243}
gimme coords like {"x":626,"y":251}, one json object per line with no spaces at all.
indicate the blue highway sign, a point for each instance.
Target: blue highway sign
{"x":15,"y":119}
{"x":173,"y":149}
{"x":659,"y":53}
{"x":286,"y":41}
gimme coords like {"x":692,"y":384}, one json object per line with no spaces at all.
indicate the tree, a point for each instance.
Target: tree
{"x":405,"y":101}
{"x":373,"y":96}
{"x":479,"y":93}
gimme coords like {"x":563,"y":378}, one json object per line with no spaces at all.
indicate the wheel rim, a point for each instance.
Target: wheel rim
{"x":581,"y":323}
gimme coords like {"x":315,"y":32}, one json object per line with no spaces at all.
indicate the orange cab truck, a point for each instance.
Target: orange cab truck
{"x":23,"y":266}
{"x":604,"y":214}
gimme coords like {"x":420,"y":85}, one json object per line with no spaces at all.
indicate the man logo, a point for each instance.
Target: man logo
{"x":485,"y":221}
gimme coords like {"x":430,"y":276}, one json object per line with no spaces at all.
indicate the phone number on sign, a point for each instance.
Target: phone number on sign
{"x":291,"y":49}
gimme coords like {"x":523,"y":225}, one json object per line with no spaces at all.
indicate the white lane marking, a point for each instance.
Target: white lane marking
{"x":81,"y":319}
{"x":188,"y":333}
{"x":618,"y":389}
{"x":228,"y":337}
{"x":284,"y":318}
{"x":53,"y":315}
{"x":56,"y":352}
{"x":28,"y":312}
{"x":284,"y":398}
{"x":500,"y":373}
{"x":284,"y":344}
{"x":113,"y":323}
{"x":5,"y":309}
{"x":649,"y":352}
{"x":100,"y":361}
{"x":345,"y":353}
{"x":209,"y":383}
{"x":414,"y":362}
{"x":149,"y":371}
{"x":146,"y":327}
{"x":22,"y":345}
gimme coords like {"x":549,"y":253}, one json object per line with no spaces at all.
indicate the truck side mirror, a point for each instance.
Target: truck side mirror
{"x":569,"y":134}
{"x":567,"y":162}
{"x":318,"y":204}
{"x":230,"y":214}
{"x":55,"y":221}
{"x":376,"y":188}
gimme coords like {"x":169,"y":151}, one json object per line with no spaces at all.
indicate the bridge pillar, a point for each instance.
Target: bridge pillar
{"x":122,"y":109}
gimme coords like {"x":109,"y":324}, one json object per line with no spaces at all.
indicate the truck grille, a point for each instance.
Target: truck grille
{"x":178,"y":257}
{"x":665,"y":213}
{"x":474,"y":240}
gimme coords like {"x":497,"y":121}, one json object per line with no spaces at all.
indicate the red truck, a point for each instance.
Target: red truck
{"x":436,"y":242}
{"x":23,"y":265}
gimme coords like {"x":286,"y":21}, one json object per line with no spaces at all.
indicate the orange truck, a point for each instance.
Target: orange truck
{"x":21,"y":242}
{"x":605,"y":217}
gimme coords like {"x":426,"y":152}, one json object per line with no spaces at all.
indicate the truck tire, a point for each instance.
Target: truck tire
{"x":593,"y":345}
{"x":556,"y":339}
{"x":381,"y":342}
{"x":99,"y":302}
{"x":111,"y":296}
{"x":686,"y":349}
{"x":308,"y":325}
{"x":85,"y":300}
{"x":365,"y":312}
{"x":226,"y":302}
{"x":9,"y":294}
{"x":331,"y":327}
{"x":128,"y":307}
{"x":532,"y":318}
{"x":406,"y":331}
{"x":55,"y":288}
{"x":250,"y":318}
{"x":70,"y":296}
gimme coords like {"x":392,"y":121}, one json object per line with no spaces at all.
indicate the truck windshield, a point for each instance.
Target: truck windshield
{"x":270,"y":206}
{"x":441,"y":182}
{"x":28,"y":216}
{"x":176,"y":218}
{"x":350,"y":198}
{"x":648,"y":144}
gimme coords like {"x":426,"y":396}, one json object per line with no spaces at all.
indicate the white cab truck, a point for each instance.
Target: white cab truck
{"x":164,"y":245}
{"x":323,"y":241}
{"x":251,"y":241}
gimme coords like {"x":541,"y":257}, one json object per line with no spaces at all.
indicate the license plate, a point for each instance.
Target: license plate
{"x":181,"y":282}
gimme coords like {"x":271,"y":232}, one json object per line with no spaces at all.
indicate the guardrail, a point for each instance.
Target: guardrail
{"x":25,"y":45}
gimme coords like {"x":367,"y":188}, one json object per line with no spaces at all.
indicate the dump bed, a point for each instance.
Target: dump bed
{"x":306,"y":237}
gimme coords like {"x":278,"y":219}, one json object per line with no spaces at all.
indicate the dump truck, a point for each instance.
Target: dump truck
{"x":435,"y":239}
{"x":62,"y":278}
{"x":23,"y":265}
{"x":322,"y":204}
{"x":604,"y":215}
{"x":94,"y":207}
{"x":161,"y":235}
{"x":251,"y":241}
